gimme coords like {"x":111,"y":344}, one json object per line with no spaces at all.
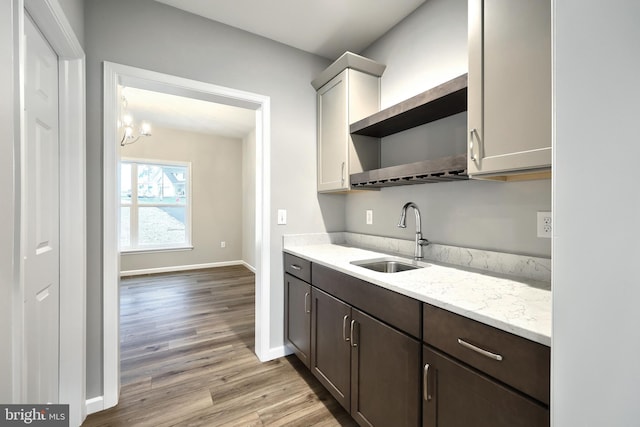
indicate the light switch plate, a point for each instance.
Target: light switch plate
{"x":282,"y":216}
{"x":369,"y":217}
{"x":544,"y":224}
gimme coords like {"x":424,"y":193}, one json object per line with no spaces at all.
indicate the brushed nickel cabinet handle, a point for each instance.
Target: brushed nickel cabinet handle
{"x":295,"y":267}
{"x":307,"y":308}
{"x":425,"y":379}
{"x":472,"y":155}
{"x":342,"y":174}
{"x":353,"y":341}
{"x":479,"y":350}
{"x":344,"y":328}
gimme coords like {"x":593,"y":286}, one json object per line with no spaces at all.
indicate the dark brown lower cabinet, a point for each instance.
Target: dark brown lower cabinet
{"x":330,"y":348}
{"x":369,"y":367}
{"x":455,"y":395}
{"x":385,"y":390}
{"x":298,"y":316}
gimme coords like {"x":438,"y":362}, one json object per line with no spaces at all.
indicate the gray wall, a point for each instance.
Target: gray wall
{"x":74,"y":11}
{"x":428,"y":48}
{"x":249,"y":199}
{"x":149,"y":35}
{"x":595,"y":338}
{"x":216,"y":194}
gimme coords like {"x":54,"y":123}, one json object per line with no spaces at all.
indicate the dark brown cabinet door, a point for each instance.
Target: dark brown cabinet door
{"x":455,"y":395}
{"x":298,"y":316}
{"x":385,"y":379}
{"x":330,"y":348}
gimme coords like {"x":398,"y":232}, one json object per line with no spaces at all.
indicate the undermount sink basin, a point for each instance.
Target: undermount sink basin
{"x":387,"y":265}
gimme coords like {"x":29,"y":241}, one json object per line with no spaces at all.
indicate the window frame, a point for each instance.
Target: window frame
{"x":134,"y":206}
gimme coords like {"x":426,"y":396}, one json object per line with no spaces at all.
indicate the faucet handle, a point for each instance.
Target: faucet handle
{"x":423,"y":242}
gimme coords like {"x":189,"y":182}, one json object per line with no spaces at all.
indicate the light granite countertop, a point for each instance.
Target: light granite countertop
{"x":519,"y":306}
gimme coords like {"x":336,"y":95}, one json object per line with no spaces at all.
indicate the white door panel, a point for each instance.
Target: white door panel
{"x":41,"y":254}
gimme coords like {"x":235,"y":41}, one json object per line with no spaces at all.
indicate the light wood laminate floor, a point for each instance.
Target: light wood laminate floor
{"x":187,"y":359}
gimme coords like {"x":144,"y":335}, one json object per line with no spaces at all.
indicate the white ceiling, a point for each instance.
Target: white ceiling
{"x":194,"y":115}
{"x":324,"y":27}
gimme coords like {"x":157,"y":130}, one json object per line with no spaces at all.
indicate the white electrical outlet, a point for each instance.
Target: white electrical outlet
{"x":544,"y":224}
{"x":282,"y":216}
{"x":369,"y":217}
{"x":223,"y":244}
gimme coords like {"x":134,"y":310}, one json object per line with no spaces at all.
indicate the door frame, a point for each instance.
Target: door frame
{"x":50,"y":19}
{"x":115,"y":74}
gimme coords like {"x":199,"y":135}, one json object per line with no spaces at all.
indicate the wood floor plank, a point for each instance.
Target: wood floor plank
{"x":187,"y":359}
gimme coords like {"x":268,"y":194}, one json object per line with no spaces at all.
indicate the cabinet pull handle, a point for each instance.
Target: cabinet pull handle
{"x":295,"y":267}
{"x":425,"y":379}
{"x":342,"y":175}
{"x":344,"y":328}
{"x":307,"y":308}
{"x":472,"y":155}
{"x":353,"y":341}
{"x":483,"y":352}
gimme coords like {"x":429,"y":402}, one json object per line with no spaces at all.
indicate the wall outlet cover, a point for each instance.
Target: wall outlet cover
{"x":369,"y":216}
{"x":543,"y":224}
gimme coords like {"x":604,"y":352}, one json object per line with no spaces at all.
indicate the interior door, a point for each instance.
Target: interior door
{"x":40,"y":241}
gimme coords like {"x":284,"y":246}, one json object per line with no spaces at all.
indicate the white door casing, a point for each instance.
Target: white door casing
{"x":114,"y":75}
{"x":41,"y":245}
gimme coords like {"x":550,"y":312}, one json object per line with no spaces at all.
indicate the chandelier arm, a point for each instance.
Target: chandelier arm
{"x":122,"y":143}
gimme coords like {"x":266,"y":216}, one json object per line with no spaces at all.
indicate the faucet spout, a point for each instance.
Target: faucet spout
{"x":420,"y":242}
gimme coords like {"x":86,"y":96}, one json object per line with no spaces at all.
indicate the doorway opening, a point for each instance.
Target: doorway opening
{"x":115,"y":76}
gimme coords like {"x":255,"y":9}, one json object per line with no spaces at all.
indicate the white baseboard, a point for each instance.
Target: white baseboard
{"x":170,"y":269}
{"x":95,"y":404}
{"x":274,"y":353}
{"x":250,"y":267}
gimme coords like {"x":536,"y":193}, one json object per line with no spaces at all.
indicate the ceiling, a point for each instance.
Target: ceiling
{"x":326,"y":28}
{"x":194,"y":115}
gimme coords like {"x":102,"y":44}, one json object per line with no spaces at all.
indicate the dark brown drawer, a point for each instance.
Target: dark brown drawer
{"x":393,"y":308}
{"x":298,"y":267}
{"x":524,"y":364}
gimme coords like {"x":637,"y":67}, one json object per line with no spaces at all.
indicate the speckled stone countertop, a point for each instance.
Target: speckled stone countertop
{"x":517,"y":305}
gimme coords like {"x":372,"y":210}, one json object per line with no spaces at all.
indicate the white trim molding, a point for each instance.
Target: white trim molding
{"x":95,"y":404}
{"x":118,"y":74}
{"x":171,"y":269}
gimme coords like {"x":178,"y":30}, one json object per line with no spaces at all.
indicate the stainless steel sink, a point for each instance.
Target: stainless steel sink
{"x":387,"y":265}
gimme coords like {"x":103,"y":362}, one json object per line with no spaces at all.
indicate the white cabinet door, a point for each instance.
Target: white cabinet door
{"x":347,"y":98}
{"x":509,"y":86}
{"x":333,"y":135}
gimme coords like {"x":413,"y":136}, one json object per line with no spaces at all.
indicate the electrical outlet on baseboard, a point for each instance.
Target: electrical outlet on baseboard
{"x":544,"y":224}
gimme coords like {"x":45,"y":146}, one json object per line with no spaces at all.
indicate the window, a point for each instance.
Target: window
{"x":154,"y":205}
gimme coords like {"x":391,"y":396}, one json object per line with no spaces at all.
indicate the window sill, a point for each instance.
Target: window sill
{"x":155,"y":250}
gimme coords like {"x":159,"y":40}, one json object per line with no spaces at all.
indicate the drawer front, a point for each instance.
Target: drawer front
{"x":524,"y":364}
{"x":392,"y":308}
{"x":298,"y":267}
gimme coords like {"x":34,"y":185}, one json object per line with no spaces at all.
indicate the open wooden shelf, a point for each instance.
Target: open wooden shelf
{"x":453,"y":168}
{"x":434,"y":104}
{"x":437,"y":103}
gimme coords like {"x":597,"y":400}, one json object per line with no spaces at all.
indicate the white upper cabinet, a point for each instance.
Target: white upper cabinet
{"x":345,"y":98}
{"x":509,"y":104}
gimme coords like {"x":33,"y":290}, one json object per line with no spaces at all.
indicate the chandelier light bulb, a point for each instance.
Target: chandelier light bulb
{"x":145,"y":129}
